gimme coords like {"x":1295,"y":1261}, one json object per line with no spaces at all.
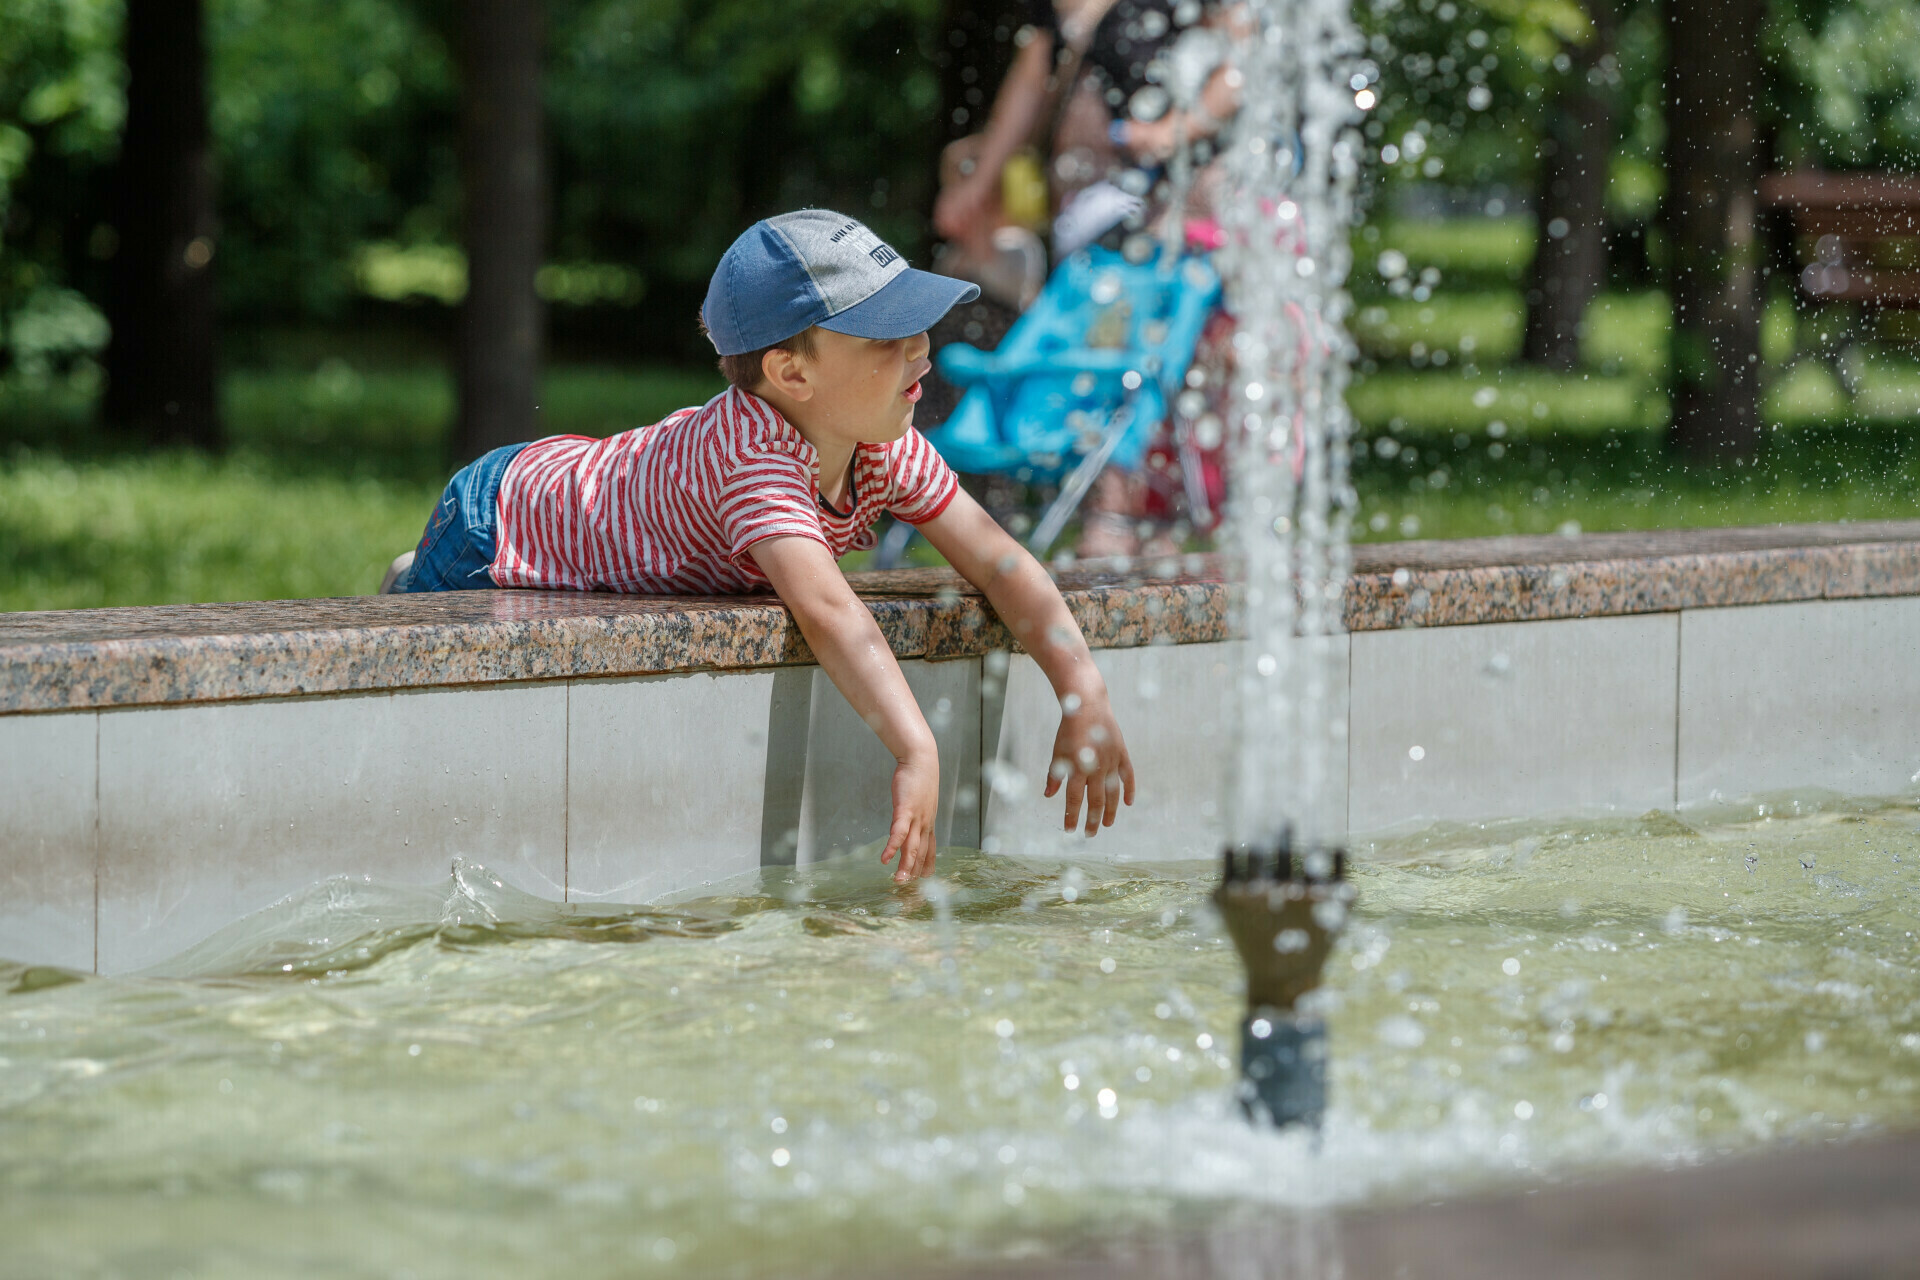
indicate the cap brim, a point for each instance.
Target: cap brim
{"x":912,"y":302}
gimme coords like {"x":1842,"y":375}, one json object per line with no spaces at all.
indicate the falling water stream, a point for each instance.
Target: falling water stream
{"x":1291,"y":165}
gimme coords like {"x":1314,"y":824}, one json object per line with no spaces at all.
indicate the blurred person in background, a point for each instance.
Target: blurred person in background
{"x":1108,"y":91}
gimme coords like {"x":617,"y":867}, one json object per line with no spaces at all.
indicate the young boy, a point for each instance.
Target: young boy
{"x":821,"y":330}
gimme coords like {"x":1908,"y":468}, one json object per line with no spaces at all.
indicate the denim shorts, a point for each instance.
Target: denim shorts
{"x":461,"y":536}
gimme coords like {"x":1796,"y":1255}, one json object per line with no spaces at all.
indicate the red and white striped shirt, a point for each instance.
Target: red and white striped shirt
{"x":671,"y":509}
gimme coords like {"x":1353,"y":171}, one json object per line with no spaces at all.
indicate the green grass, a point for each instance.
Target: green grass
{"x":1463,"y":486}
{"x":387,"y":422}
{"x":159,"y":529}
{"x":1494,"y":247}
{"x":1626,"y":332}
{"x":338,"y":442}
{"x":1520,"y":401}
{"x":331,"y":473}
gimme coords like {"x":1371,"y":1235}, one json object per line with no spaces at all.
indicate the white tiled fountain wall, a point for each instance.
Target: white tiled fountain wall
{"x":128,"y":835}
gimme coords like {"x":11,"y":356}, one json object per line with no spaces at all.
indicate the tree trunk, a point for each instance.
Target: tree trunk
{"x":160,"y":299}
{"x":1570,"y":259}
{"x":503,"y":164}
{"x":1710,"y":216}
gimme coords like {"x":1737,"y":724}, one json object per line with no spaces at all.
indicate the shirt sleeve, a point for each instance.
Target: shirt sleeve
{"x":768,"y":494}
{"x":921,"y":484}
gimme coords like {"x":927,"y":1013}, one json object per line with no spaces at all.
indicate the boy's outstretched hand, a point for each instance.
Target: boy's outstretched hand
{"x":1089,"y":757}
{"x":1090,"y":760}
{"x":916,"y":802}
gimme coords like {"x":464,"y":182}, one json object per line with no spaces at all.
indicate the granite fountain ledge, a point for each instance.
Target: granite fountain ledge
{"x":75,"y":660}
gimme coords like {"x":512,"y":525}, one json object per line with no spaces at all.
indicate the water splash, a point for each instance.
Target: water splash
{"x":1291,"y":165}
{"x":618,"y":1109}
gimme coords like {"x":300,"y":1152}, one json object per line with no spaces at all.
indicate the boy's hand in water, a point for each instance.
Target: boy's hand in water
{"x":1090,"y":759}
{"x":916,"y":802}
{"x":848,"y":645}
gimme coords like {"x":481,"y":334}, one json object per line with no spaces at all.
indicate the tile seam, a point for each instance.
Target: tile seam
{"x":98,"y":869}
{"x":1679,"y":660}
{"x":566,"y":797}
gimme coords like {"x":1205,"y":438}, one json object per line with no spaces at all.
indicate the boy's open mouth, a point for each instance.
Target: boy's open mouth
{"x":921,"y":369}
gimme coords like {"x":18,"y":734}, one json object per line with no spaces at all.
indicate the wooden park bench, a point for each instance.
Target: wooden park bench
{"x":1858,"y":236}
{"x":1864,"y":234}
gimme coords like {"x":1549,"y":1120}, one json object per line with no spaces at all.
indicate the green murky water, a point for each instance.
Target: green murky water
{"x":821,"y":1074}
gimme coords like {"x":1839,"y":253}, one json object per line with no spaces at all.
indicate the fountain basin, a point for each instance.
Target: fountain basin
{"x":166,"y":771}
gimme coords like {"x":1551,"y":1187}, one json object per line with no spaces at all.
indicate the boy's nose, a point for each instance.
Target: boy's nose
{"x":918,"y":346}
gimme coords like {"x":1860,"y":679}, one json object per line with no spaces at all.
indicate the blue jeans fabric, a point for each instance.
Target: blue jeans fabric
{"x":461,"y":536}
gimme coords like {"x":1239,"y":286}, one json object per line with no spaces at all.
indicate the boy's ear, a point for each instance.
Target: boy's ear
{"x":786,"y":373}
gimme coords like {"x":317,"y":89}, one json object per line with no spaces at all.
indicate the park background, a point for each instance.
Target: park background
{"x":329,"y":319}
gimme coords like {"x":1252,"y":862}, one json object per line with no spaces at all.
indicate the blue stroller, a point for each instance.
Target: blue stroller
{"x":1083,"y":378}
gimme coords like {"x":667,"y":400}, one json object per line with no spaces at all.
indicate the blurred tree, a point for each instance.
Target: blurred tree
{"x":671,"y":125}
{"x":60,"y":114}
{"x":1570,"y":203}
{"x":503,"y":163}
{"x":1714,"y":144}
{"x":160,"y":299}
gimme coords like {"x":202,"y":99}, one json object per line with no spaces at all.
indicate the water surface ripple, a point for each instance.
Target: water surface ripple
{"x":815,"y":1072}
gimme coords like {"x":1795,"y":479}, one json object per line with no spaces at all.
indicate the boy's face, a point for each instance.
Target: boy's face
{"x":864,"y":389}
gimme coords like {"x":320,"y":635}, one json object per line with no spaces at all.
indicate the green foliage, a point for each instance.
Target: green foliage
{"x":334,"y":123}
{"x":673,"y":123}
{"x":61,"y":108}
{"x":1850,"y":95}
{"x":676,"y":123}
{"x":1463,"y":86}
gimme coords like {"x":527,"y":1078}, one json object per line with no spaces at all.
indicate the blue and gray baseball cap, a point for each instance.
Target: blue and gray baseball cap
{"x":817,"y":267}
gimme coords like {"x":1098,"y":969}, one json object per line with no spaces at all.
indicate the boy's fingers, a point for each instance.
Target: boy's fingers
{"x":1126,"y":775}
{"x":897,"y":842}
{"x":1096,"y":805}
{"x":912,"y":854}
{"x":1113,"y":799}
{"x":919,"y":861}
{"x":1056,"y":773}
{"x":1076,"y":786}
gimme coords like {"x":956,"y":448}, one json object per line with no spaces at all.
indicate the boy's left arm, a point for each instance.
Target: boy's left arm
{"x":1089,"y":755}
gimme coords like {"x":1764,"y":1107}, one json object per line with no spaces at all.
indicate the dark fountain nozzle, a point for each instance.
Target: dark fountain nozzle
{"x":1283,"y":910}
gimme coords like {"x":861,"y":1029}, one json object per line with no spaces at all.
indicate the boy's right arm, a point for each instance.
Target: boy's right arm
{"x":847,"y":643}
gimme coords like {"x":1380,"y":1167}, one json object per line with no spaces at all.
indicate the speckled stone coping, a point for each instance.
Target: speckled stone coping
{"x":80,"y":659}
